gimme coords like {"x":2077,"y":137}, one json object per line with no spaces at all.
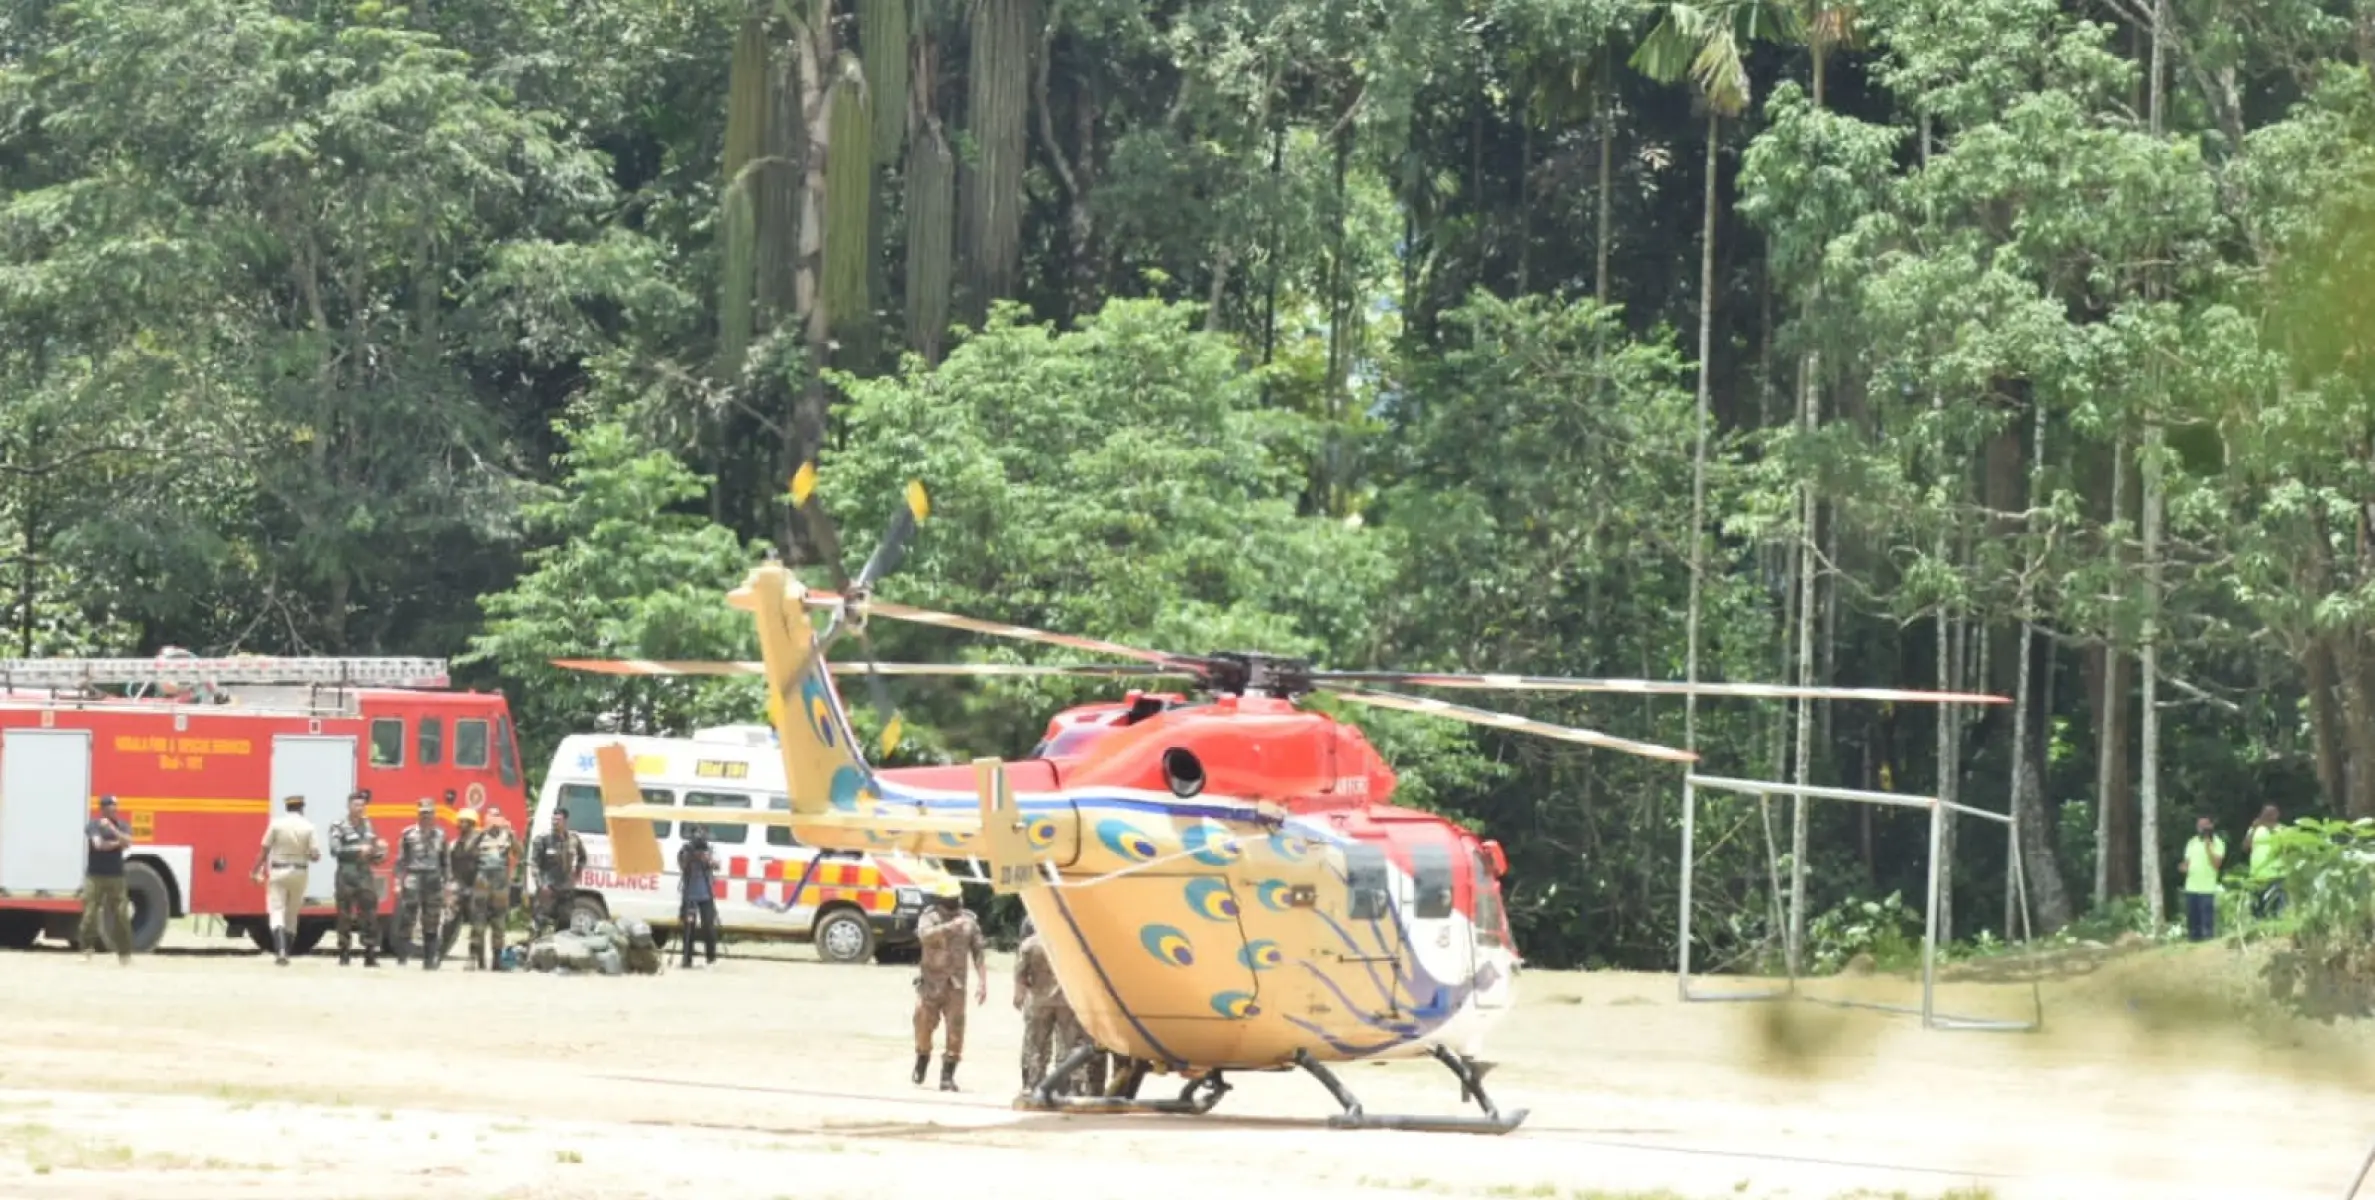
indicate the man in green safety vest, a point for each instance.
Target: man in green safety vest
{"x":2205,"y":853}
{"x":2267,"y":881}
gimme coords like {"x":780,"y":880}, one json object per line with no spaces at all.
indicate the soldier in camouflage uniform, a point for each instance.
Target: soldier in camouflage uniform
{"x":461,"y":874}
{"x":950,"y":939}
{"x":1048,"y":1027}
{"x":357,"y":849}
{"x":559,"y":855}
{"x":496,"y":851}
{"x":420,"y":872}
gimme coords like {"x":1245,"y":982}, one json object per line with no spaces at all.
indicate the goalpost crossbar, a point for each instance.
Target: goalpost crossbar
{"x":1939,"y":811}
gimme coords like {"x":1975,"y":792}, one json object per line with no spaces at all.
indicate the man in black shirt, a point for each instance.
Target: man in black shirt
{"x":696,"y":874}
{"x":103,"y":902}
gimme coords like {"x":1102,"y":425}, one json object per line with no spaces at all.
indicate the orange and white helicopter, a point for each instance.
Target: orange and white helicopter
{"x":1220,"y":879}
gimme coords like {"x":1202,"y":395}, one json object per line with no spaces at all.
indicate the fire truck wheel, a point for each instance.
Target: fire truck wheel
{"x":151,"y":905}
{"x":310,"y":932}
{"x":18,"y":931}
{"x":843,"y":936}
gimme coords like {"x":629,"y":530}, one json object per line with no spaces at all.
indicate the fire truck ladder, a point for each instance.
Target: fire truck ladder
{"x":242,"y":669}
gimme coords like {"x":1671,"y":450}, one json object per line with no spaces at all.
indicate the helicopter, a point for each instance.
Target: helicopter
{"x":1218,"y":873}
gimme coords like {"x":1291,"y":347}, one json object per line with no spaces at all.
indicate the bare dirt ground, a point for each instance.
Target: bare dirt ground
{"x":204,"y":1072}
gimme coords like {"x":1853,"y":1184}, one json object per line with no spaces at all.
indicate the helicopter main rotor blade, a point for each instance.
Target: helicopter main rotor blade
{"x":1501,"y":720}
{"x":649,"y":666}
{"x":1024,"y":633}
{"x":1649,"y":687}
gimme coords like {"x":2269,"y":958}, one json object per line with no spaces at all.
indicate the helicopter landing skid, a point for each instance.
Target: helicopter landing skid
{"x":1196,"y":1099}
{"x":1471,"y":1078}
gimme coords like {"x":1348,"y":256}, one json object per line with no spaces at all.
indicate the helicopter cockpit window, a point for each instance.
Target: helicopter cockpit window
{"x":1488,"y":900}
{"x":1432,"y":867}
{"x":1365,"y":877}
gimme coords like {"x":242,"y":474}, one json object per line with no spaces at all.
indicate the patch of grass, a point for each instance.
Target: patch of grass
{"x":568,"y":1156}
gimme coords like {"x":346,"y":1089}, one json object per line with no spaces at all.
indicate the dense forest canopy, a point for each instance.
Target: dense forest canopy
{"x":2012,"y":345}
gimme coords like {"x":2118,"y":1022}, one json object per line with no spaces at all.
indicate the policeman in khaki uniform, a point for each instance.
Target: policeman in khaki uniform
{"x":288,"y":850}
{"x":951,"y":938}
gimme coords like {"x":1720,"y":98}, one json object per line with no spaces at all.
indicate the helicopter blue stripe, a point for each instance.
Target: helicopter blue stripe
{"x":1347,"y":1048}
{"x":1125,"y":803}
{"x":1401,"y":1028}
{"x":1065,"y":910}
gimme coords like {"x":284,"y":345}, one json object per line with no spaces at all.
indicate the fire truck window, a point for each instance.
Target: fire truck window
{"x":428,"y":741}
{"x":387,"y":742}
{"x":780,"y":835}
{"x":470,"y":747}
{"x":1365,"y":875}
{"x":1488,"y":901}
{"x":1432,"y":866}
{"x":507,"y":759}
{"x":583,"y":803}
{"x":719,"y":835}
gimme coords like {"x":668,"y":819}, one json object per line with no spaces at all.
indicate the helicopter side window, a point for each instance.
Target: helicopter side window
{"x":1365,"y":877}
{"x":1432,"y":866}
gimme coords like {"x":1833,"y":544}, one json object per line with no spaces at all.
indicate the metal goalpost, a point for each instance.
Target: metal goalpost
{"x":1940,"y":811}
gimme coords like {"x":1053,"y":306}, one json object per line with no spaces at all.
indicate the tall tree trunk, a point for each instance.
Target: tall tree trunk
{"x":999,"y":79}
{"x":2047,"y":894}
{"x":2156,"y":886}
{"x":2326,"y":721}
{"x":1690,"y":699}
{"x":2110,"y":702}
{"x":1606,"y":116}
{"x":931,"y":203}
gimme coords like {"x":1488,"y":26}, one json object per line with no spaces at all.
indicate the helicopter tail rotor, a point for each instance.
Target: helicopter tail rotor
{"x":915,"y":505}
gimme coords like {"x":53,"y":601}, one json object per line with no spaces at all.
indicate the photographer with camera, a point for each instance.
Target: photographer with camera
{"x":696,"y":874}
{"x":2205,"y":854}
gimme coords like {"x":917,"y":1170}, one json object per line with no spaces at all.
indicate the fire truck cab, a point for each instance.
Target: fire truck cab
{"x":199,"y":754}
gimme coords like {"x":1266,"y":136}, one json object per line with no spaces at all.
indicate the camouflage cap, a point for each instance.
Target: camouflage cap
{"x":428,"y":808}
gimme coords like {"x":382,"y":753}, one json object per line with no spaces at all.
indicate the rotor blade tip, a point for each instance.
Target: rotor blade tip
{"x":803,"y":483}
{"x":918,"y":501}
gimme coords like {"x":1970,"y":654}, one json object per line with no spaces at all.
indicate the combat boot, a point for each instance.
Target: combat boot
{"x":923,"y":1062}
{"x":280,"y":947}
{"x":948,"y":1074}
{"x":343,"y":951}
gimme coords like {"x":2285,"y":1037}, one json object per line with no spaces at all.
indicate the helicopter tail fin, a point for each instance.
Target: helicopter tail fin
{"x":1005,"y":836}
{"x":822,"y":771}
{"x":634,"y":849}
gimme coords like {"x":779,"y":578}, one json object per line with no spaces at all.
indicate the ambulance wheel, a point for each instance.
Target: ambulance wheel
{"x":151,"y":905}
{"x":18,"y":931}
{"x":843,"y":936}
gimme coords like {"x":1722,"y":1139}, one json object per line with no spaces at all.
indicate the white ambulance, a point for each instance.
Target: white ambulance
{"x":853,"y":906}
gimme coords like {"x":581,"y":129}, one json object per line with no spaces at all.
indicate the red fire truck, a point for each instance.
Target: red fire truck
{"x":199,"y":752}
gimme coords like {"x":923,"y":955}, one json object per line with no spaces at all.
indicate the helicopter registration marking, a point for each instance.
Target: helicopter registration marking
{"x":1355,"y":785}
